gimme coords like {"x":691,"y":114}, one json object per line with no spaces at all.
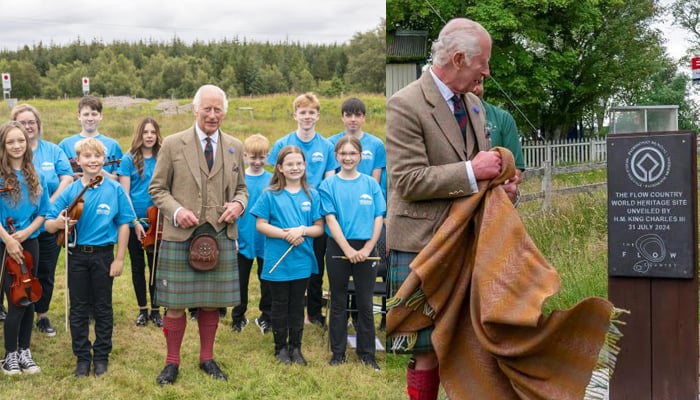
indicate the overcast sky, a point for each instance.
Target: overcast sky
{"x":28,"y":22}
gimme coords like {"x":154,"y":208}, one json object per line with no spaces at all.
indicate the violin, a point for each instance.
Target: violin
{"x":154,"y":233}
{"x":6,"y":189}
{"x":25,"y":288}
{"x":75,"y":209}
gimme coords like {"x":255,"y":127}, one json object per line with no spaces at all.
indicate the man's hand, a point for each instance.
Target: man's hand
{"x":486,"y":165}
{"x":186,"y":219}
{"x":232,"y":210}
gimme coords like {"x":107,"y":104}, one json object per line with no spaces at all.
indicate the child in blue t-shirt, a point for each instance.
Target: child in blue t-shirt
{"x":135,"y":172}
{"x":23,"y":205}
{"x":251,"y":244}
{"x":90,"y":116}
{"x":288,"y":215}
{"x":320,"y":164}
{"x":354,"y":207}
{"x":92,"y":264}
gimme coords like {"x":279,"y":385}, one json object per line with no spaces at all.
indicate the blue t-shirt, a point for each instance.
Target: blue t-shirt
{"x":251,"y":243}
{"x":319,"y":154}
{"x":106,"y":207}
{"x":51,"y":162}
{"x":288,"y":210}
{"x":112,"y":150}
{"x":24,"y":212}
{"x":355,"y":204}
{"x":373,"y":152}
{"x":139,"y":184}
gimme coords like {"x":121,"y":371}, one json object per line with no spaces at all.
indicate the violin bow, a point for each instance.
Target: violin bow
{"x":155,"y":249}
{"x":65,"y":245}
{"x":291,"y":246}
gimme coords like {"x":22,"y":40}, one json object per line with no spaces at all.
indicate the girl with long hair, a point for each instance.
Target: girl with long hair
{"x":135,"y":172}
{"x":288,"y":214}
{"x":23,"y":209}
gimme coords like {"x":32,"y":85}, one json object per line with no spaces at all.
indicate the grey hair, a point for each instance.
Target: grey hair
{"x":458,"y":35}
{"x":198,"y":96}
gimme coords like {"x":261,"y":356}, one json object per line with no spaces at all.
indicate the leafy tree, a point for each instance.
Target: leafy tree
{"x":24,"y":77}
{"x":114,"y":74}
{"x":366,"y":59}
{"x":558,"y":61}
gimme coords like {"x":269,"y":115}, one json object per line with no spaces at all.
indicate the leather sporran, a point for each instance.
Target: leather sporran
{"x":204,"y":252}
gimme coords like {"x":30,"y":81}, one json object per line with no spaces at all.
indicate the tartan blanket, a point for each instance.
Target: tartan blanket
{"x":481,"y":282}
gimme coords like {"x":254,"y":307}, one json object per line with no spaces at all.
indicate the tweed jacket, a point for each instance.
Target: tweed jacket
{"x":181,"y":174}
{"x":426,"y":157}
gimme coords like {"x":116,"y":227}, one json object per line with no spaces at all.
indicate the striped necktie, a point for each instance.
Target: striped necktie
{"x":460,"y":114}
{"x":209,"y":153}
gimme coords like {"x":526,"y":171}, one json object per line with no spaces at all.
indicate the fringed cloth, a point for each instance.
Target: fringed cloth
{"x":481,"y":283}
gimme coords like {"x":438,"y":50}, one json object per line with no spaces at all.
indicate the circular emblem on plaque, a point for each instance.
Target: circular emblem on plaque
{"x":648,"y":164}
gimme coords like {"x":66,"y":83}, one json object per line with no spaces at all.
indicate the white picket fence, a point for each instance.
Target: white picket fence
{"x":558,"y":153}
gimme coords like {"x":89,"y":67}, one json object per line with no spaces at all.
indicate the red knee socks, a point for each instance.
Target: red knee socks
{"x":422,"y":384}
{"x":208,"y":322}
{"x":174,"y":330}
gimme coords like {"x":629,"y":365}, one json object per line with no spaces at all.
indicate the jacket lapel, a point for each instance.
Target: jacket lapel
{"x":477,"y":122}
{"x":190,"y":151}
{"x":442,"y":115}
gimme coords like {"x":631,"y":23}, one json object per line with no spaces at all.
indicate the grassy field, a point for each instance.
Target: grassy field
{"x":247,"y":357}
{"x":572,"y":235}
{"x":272,"y":116}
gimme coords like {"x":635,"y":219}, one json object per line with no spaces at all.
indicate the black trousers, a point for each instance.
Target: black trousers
{"x":314,"y":293}
{"x":245,"y":265}
{"x":363,"y":275}
{"x":20,"y":320}
{"x":288,"y":304}
{"x":138,"y":271}
{"x":90,"y":287}
{"x":48,"y":257}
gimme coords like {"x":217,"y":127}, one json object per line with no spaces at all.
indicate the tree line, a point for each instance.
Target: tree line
{"x":560,"y":66}
{"x":175,"y":69}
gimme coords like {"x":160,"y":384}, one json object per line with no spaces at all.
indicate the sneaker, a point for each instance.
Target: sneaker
{"x":222,"y":312}
{"x":142,"y":319}
{"x":337,"y":359}
{"x":193,"y":315}
{"x":263,"y":325}
{"x":238,"y":326}
{"x":3,"y":313}
{"x":369,"y":361}
{"x":44,"y":326}
{"x":26,"y":364}
{"x":10,"y":365}
{"x":156,"y":318}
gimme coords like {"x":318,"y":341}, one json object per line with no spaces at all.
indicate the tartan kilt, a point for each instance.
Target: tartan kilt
{"x":398,"y":272}
{"x":180,"y":286}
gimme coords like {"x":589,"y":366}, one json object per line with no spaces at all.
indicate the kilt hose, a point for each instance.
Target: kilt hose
{"x":399,"y":268}
{"x":180,"y":286}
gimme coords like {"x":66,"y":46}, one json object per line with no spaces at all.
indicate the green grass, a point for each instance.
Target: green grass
{"x":246,"y":357}
{"x":60,"y":117}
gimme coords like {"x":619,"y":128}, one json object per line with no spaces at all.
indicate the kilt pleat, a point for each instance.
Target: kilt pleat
{"x":399,"y":269}
{"x":180,"y":286}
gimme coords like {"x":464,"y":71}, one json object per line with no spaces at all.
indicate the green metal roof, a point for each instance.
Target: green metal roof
{"x":406,"y":46}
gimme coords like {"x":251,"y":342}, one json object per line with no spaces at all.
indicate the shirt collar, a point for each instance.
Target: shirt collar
{"x":444,"y":90}
{"x":202,"y":136}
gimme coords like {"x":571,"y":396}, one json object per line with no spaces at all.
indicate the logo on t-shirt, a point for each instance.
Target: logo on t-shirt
{"x":367,"y":155}
{"x":47,"y":166}
{"x":317,"y":157}
{"x":103,"y":209}
{"x":306,"y":206}
{"x":366,"y":200}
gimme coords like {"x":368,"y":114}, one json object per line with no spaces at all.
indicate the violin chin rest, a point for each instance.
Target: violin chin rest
{"x":24,"y":302}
